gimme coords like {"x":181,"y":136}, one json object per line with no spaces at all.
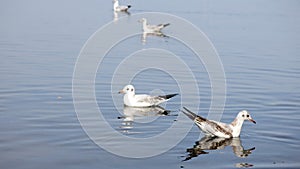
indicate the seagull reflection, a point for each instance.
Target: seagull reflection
{"x":217,"y":143}
{"x":117,"y":15}
{"x":157,"y":34}
{"x":141,"y":115}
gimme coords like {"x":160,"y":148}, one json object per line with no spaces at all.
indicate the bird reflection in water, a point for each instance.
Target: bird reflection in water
{"x":217,"y":143}
{"x":155,"y":34}
{"x":117,"y":15}
{"x":141,"y":115}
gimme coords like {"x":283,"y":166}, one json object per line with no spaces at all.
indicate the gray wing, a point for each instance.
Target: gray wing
{"x":218,"y":129}
{"x":163,"y":25}
{"x":152,"y":100}
{"x":123,"y":8}
{"x":154,"y":27}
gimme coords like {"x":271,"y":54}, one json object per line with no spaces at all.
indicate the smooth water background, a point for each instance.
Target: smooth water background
{"x":258,"y":43}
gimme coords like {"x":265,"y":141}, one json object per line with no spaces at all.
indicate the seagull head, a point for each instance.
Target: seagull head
{"x":245,"y":115}
{"x":128,"y":89}
{"x":142,"y":20}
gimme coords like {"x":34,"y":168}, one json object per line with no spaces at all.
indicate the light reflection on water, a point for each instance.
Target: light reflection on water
{"x":214,"y":143}
{"x":258,"y":46}
{"x":142,"y":119}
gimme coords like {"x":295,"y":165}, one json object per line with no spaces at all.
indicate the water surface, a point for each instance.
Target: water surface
{"x":258,"y":43}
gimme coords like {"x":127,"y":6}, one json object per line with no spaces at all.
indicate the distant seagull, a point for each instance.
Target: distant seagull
{"x":143,"y":100}
{"x":214,"y":128}
{"x":122,"y":8}
{"x":152,"y":28}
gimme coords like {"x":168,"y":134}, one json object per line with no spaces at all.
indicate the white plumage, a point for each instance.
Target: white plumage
{"x":143,"y":100}
{"x":120,"y":8}
{"x":219,"y":129}
{"x":152,"y":28}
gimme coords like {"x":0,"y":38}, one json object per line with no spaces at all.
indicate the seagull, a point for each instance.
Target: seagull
{"x":132,"y":100}
{"x":122,"y":8}
{"x":219,"y":129}
{"x":152,"y":28}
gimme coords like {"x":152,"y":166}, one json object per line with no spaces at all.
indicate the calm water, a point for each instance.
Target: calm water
{"x":258,"y":43}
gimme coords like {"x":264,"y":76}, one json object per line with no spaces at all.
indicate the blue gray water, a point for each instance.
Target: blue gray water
{"x":258,"y":44}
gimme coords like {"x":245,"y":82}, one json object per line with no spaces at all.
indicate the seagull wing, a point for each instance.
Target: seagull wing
{"x":163,"y":25}
{"x":217,"y":129}
{"x":123,"y":8}
{"x":208,"y":126}
{"x":153,"y":28}
{"x":149,"y":100}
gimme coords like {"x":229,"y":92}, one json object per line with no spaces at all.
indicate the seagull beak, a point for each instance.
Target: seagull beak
{"x":121,"y":92}
{"x":252,"y":121}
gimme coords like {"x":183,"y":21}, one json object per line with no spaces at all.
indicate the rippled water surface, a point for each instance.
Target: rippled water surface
{"x":258,"y":44}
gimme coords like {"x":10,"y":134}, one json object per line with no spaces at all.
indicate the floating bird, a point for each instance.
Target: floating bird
{"x":214,"y":128}
{"x":142,"y":100}
{"x":120,"y":8}
{"x":218,"y":143}
{"x":152,"y":28}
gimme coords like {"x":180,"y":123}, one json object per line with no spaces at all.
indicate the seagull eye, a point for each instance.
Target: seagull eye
{"x":132,"y":90}
{"x":127,"y":89}
{"x":247,"y":115}
{"x":243,"y":115}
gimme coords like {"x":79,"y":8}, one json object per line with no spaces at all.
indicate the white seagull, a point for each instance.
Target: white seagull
{"x":152,"y":28}
{"x":219,"y":129}
{"x":120,"y":8}
{"x":142,"y":100}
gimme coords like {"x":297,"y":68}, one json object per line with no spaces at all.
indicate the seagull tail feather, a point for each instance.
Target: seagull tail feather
{"x":192,"y":115}
{"x":167,"y":24}
{"x":188,"y":113}
{"x":169,"y":96}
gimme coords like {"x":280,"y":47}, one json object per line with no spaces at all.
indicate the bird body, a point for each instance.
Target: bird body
{"x":120,"y":8}
{"x":142,"y":100}
{"x":152,"y":28}
{"x":219,"y":129}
